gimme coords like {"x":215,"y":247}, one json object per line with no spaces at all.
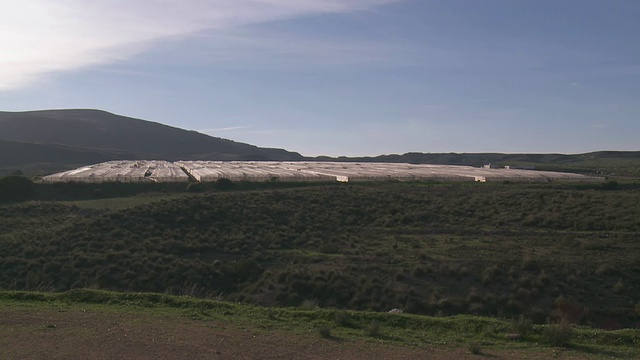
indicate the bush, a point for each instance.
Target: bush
{"x":325,"y":331}
{"x":558,"y":334}
{"x":373,"y":329}
{"x":341,"y":318}
{"x":330,"y":248}
{"x":490,"y":331}
{"x":271,"y":314}
{"x":521,"y":326}
{"x":309,"y":305}
{"x":14,"y":188}
{"x":619,"y":288}
{"x":610,"y":186}
{"x":224,"y":184}
{"x":474,"y":347}
{"x":195,"y":187}
{"x":605,"y":269}
{"x":490,"y":274}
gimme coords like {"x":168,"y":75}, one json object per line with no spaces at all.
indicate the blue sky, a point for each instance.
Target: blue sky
{"x":349,"y":77}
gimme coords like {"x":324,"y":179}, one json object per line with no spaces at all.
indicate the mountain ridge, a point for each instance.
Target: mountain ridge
{"x":98,"y":129}
{"x":44,"y":141}
{"x":85,"y":136}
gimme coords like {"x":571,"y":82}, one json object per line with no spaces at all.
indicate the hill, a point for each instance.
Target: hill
{"x":64,"y":138}
{"x":545,"y":251}
{"x":31,"y":158}
{"x":47,"y":141}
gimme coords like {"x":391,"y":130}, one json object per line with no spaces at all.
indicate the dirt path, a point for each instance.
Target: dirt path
{"x":93,"y":334}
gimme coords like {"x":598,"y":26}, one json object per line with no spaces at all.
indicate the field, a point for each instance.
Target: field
{"x":545,"y":253}
{"x":95,"y":324}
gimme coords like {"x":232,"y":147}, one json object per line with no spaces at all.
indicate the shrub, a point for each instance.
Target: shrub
{"x":373,"y":329}
{"x":194,"y":187}
{"x":529,"y":264}
{"x":330,"y":248}
{"x":474,"y":347}
{"x":309,"y":305}
{"x":418,"y":271}
{"x":489,"y":331}
{"x":341,"y":318}
{"x":271,"y":314}
{"x":15,"y":188}
{"x":224,"y":184}
{"x":605,"y":269}
{"x":325,"y":331}
{"x":489,"y":274}
{"x":558,"y":334}
{"x":619,"y":287}
{"x":610,"y":186}
{"x":521,"y":326}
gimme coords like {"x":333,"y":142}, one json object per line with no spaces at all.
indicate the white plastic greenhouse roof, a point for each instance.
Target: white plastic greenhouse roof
{"x":123,"y":171}
{"x":205,"y":171}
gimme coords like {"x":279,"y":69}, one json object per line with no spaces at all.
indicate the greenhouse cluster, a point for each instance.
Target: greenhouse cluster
{"x":262,"y":171}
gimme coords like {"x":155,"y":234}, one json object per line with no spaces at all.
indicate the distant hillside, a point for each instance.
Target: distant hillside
{"x":15,"y":153}
{"x":73,"y":137}
{"x":33,"y":158}
{"x":47,"y":141}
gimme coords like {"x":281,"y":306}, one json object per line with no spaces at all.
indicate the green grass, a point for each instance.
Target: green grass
{"x":483,"y":249}
{"x":399,"y":329}
{"x":120,"y":203}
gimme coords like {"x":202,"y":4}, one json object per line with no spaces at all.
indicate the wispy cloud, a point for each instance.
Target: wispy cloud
{"x":263,"y":46}
{"x":231,"y":128}
{"x":38,"y":37}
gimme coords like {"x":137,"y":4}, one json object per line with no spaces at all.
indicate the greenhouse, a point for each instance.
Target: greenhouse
{"x":123,"y":171}
{"x":263,"y":171}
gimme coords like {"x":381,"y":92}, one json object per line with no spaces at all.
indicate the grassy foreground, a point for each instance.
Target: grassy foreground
{"x":544,"y":251}
{"x":477,"y":334}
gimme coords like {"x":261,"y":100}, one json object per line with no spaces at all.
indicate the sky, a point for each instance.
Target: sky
{"x":339,"y":77}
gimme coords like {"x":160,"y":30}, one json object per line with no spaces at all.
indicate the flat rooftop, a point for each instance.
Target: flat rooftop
{"x":206,"y":171}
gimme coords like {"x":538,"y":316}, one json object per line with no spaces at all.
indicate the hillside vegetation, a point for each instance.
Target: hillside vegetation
{"x":547,"y":252}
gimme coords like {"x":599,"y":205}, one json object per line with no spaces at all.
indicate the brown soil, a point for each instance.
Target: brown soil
{"x":95,"y":334}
